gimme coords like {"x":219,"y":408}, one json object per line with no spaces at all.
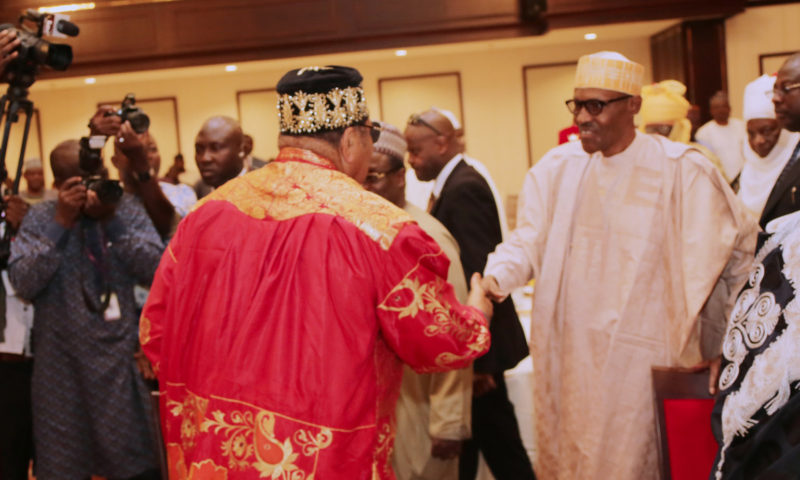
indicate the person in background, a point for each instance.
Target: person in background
{"x":175,"y":170}
{"x":35,"y":190}
{"x":16,"y":365}
{"x":77,"y":260}
{"x":771,"y":175}
{"x":724,"y":135}
{"x":219,"y":153}
{"x":636,"y":244}
{"x":135,"y":171}
{"x":434,"y":409}
{"x":419,"y":192}
{"x":463,"y":202}
{"x":664,"y":112}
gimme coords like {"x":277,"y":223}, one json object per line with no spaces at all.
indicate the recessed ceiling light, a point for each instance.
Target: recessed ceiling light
{"x":72,"y":7}
{"x":231,"y":68}
{"x":590,"y":36}
{"x":401,"y":53}
{"x":90,"y":81}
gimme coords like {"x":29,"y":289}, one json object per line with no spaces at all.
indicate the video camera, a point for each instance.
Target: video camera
{"x":34,"y":51}
{"x":130,"y":112}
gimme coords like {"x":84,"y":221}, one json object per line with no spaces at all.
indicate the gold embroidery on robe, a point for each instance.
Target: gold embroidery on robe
{"x":288,"y":189}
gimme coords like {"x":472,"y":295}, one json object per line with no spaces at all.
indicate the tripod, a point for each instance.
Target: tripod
{"x":16,"y":99}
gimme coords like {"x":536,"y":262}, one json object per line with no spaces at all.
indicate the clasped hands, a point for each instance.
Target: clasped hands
{"x":482,"y":292}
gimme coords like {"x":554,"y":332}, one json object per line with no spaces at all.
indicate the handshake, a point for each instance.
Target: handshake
{"x":482,"y":292}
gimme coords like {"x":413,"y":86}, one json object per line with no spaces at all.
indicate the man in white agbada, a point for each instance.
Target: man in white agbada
{"x":627,"y":235}
{"x":767,"y":150}
{"x":724,"y":135}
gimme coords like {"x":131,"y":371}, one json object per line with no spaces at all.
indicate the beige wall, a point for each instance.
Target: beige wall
{"x":757,"y":31}
{"x":491,"y":79}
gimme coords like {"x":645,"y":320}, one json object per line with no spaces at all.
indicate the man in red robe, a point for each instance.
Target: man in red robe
{"x":285,"y":303}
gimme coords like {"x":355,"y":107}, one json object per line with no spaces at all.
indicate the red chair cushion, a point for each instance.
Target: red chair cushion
{"x":691,"y":445}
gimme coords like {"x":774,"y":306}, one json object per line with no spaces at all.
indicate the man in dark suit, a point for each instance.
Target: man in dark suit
{"x":785,"y":197}
{"x":462,"y":201}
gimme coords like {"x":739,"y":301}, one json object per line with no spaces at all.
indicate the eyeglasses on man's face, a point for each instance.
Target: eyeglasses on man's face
{"x":416,"y":119}
{"x":593,"y":106}
{"x":781,"y":90}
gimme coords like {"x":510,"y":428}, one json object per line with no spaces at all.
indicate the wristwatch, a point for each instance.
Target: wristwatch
{"x":143,"y":176}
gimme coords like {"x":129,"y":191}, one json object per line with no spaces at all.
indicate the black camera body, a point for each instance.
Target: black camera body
{"x":108,"y":191}
{"x":128,"y":111}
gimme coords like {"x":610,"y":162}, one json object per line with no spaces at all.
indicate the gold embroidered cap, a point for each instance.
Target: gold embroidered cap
{"x":609,"y":71}
{"x":316,"y":99}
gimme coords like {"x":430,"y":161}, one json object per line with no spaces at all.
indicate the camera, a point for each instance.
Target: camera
{"x":34,"y":51}
{"x":91,"y":162}
{"x":130,"y":112}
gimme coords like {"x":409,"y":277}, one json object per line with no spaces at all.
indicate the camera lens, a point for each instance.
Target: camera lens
{"x":139,"y":121}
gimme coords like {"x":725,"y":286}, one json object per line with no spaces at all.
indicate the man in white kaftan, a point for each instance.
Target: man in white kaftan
{"x":724,"y":135}
{"x":627,"y":235}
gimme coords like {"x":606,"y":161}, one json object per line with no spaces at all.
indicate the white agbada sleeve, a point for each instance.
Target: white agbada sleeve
{"x":515,"y":261}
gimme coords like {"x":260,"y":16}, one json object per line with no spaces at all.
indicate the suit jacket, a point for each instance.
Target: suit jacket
{"x":466,"y":207}
{"x":785,"y":195}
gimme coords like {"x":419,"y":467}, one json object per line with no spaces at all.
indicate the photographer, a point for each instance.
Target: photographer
{"x":77,"y":259}
{"x":16,"y":367}
{"x":135,"y":170}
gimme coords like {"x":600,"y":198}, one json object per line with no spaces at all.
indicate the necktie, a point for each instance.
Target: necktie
{"x":431,"y":201}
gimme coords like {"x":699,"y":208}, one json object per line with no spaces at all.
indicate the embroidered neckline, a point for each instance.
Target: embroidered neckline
{"x":292,"y":154}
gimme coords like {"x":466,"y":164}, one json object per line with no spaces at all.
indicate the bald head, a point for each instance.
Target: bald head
{"x":219,"y":150}
{"x":786,"y":95}
{"x":432,"y":142}
{"x":65,"y":160}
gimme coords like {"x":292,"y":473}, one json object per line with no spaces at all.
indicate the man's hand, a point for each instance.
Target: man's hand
{"x":445,"y":449}
{"x":713,"y":366}
{"x":103,"y":124}
{"x":477,"y":296}
{"x":132,"y":145}
{"x":8,"y":45}
{"x":144,"y":365}
{"x":71,"y":198}
{"x":482,"y":383}
{"x":16,"y":208}
{"x":489,"y":283}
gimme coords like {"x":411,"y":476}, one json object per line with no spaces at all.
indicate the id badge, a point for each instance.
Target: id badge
{"x":112,"y":313}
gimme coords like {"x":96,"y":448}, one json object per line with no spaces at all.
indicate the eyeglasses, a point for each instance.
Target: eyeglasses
{"x":593,"y":106}
{"x":375,"y":177}
{"x":416,"y":119}
{"x":374,"y":131}
{"x":784,"y":89}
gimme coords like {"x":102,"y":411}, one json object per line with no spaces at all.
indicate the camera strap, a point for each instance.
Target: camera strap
{"x":96,"y":250}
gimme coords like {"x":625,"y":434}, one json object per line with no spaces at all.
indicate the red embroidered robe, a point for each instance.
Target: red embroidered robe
{"x":278,"y":320}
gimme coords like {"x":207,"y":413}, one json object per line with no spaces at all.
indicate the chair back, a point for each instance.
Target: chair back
{"x":687,"y":447}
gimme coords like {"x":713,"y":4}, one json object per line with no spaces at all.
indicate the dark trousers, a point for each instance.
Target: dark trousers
{"x":16,"y":421}
{"x":495,"y":433}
